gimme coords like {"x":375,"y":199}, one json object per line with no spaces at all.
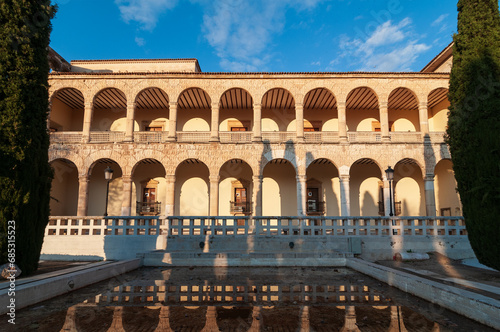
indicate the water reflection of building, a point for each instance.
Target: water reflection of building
{"x":162,"y":318}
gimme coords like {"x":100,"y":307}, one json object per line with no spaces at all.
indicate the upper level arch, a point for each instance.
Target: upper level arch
{"x":194,"y":110}
{"x":236,"y":110}
{"x":320,"y":110}
{"x":151,"y":110}
{"x":438,"y":104}
{"x":67,"y":110}
{"x":278,"y":109}
{"x":403,"y":110}
{"x":362,"y":110}
{"x":109,"y":110}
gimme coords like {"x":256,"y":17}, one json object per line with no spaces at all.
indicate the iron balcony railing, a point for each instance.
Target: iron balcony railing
{"x":148,"y":208}
{"x":242,"y":207}
{"x":397,"y":208}
{"x":315,"y":208}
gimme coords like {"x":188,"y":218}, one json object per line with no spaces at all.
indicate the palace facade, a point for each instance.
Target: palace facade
{"x":190,"y":143}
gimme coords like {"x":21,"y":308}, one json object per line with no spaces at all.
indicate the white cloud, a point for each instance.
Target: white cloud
{"x":140,"y":41}
{"x":391,"y":47}
{"x":241,"y":32}
{"x":145,"y":12}
{"x":439,"y":20}
{"x":316,"y":63}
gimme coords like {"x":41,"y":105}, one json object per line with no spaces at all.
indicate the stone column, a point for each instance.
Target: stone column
{"x":172,"y":122}
{"x":350,"y":320}
{"x":423,"y":114}
{"x":214,"y":195}
{"x":384,"y":121}
{"x":87,"y":119}
{"x":257,"y":123}
{"x":170,"y":199}
{"x":341,"y":111}
{"x":257,"y":196}
{"x":129,"y":131}
{"x":430,"y":196}
{"x":70,"y":321}
{"x":305,"y":324}
{"x":257,"y":323}
{"x":127,"y":195}
{"x":214,"y":135}
{"x":211,"y":320}
{"x":299,"y":117}
{"x":397,"y":323}
{"x":301,"y":194}
{"x":117,"y":323}
{"x":345,"y":200}
{"x":83,"y":195}
{"x":164,"y":320}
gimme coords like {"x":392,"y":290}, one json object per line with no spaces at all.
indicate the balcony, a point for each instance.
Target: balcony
{"x":66,"y":137}
{"x":315,"y":208}
{"x":364,"y":136}
{"x":150,"y":136}
{"x":321,"y":137}
{"x":148,"y":208}
{"x":397,"y":208}
{"x":240,"y":208}
{"x":408,"y":137}
{"x":235,"y":136}
{"x":278,"y":136}
{"x":107,"y":136}
{"x":193,"y":136}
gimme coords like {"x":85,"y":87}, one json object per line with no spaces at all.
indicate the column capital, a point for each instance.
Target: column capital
{"x":299,"y":105}
{"x":172,"y":103}
{"x":88,"y":104}
{"x":257,"y":105}
{"x":301,"y":177}
{"x":383,"y":104}
{"x":214,"y":178}
{"x":170,"y":177}
{"x":126,"y":178}
{"x":84,"y":177}
{"x":214,"y":105}
{"x":429,"y":177}
{"x":422,"y":104}
{"x":341,"y":103}
{"x":131,"y":104}
{"x":257,"y":178}
{"x":344,"y":177}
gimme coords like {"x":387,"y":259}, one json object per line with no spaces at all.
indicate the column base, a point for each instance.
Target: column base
{"x":171,"y":139}
{"x":257,"y":139}
{"x":214,"y":140}
{"x":386,"y":139}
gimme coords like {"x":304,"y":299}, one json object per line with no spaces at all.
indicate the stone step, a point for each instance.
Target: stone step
{"x":164,"y":258}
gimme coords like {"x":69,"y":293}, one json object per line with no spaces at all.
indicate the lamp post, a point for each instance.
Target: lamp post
{"x":390,"y":176}
{"x":108,"y":175}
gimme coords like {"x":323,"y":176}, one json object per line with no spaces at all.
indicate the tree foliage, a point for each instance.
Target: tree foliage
{"x":25,"y":174}
{"x":474,"y":124}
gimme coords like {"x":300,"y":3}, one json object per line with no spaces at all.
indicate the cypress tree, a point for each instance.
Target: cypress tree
{"x":25,"y":174}
{"x":474,"y":124}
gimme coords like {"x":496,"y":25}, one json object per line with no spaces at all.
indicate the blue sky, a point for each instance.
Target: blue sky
{"x":259,"y":35}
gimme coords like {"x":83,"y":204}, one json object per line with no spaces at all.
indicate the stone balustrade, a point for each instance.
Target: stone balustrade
{"x":257,"y":226}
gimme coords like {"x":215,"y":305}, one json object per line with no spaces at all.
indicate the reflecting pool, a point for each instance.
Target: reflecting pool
{"x":239,"y":299}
